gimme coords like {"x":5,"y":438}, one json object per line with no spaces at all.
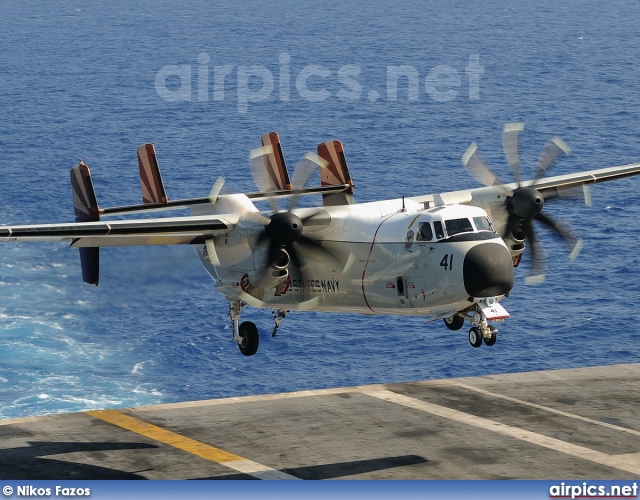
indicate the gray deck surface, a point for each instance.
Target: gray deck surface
{"x":576,"y":423}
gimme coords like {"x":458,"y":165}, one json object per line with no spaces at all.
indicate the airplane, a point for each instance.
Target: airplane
{"x":448,"y":256}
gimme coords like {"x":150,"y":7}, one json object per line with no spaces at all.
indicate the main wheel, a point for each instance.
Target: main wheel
{"x":475,"y":337}
{"x":454,"y":322}
{"x":492,"y":337}
{"x":249,"y":338}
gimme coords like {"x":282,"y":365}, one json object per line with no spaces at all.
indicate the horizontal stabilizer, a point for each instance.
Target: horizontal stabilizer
{"x":277,"y":176}
{"x":85,"y":206}
{"x":166,"y":231}
{"x":150,"y":178}
{"x":336,"y":173}
{"x":206,"y":200}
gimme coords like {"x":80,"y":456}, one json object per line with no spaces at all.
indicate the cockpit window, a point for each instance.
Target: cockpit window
{"x":456,"y":226}
{"x":483,"y":224}
{"x":424,"y":231}
{"x":437,"y":225}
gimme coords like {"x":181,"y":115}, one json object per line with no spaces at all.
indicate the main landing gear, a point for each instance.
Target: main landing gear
{"x":454,"y":322}
{"x":245,"y":334}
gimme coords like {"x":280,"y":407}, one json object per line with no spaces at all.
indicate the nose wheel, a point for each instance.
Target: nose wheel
{"x":476,"y":336}
{"x":491,"y":337}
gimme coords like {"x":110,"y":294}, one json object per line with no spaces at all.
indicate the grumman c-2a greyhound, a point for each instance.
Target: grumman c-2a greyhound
{"x":447,"y":256}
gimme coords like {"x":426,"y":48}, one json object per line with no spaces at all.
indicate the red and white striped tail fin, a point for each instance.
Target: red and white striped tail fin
{"x":150,"y":178}
{"x":85,"y":206}
{"x":335,"y":174}
{"x":276,"y":169}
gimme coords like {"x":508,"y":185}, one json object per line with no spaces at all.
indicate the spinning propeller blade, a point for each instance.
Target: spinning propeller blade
{"x":257,"y":159}
{"x":510,"y":142}
{"x":305,"y":167}
{"x":524,"y":204}
{"x":552,"y":149}
{"x":575,"y":243}
{"x":537,"y":255}
{"x":215,"y":190}
{"x":476,"y":166}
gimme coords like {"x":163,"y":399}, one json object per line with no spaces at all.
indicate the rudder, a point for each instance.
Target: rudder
{"x":150,"y":179}
{"x":274,"y":164}
{"x":335,"y":174}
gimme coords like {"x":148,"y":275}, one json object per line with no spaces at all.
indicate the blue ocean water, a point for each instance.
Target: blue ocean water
{"x":203,"y":80}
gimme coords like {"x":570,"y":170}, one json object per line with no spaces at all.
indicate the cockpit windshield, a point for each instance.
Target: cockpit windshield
{"x":457,"y":226}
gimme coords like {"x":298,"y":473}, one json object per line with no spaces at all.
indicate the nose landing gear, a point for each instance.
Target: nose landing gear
{"x":479,"y":315}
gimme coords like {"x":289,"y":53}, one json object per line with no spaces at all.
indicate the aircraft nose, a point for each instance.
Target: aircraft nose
{"x":488,"y":270}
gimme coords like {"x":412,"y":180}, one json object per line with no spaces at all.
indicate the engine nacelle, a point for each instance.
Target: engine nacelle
{"x":515,"y":243}
{"x":275,"y":274}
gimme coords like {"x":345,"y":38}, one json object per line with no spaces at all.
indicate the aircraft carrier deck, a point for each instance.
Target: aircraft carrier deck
{"x":575,"y":423}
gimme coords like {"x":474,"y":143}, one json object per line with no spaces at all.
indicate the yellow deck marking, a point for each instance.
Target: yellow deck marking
{"x":189,"y":445}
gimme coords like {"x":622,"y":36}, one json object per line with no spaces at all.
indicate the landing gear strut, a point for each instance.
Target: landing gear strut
{"x":490,"y":338}
{"x":278,"y":317}
{"x":245,"y":334}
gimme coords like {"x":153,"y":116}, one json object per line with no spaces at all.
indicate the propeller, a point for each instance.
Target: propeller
{"x":284,"y":231}
{"x":524,"y":203}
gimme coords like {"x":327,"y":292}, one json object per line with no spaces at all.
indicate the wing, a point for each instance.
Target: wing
{"x":572,"y":181}
{"x":546,"y":186}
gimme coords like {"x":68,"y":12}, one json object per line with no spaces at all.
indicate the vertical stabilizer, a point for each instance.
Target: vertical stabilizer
{"x":150,"y":178}
{"x":277,"y":177}
{"x":335,"y":174}
{"x":85,"y":206}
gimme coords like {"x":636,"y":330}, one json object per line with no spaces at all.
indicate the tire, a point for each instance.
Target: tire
{"x":491,"y":339}
{"x":454,"y":322}
{"x":475,"y":337}
{"x":249,"y":338}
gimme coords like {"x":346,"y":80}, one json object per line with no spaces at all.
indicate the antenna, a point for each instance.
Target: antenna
{"x":404,"y":209}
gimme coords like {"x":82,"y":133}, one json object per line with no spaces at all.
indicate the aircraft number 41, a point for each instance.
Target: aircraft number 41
{"x":447,"y":262}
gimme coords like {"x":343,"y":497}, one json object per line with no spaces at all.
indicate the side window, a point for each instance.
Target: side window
{"x":482,"y":224}
{"x":437,"y":226}
{"x":424,"y":231}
